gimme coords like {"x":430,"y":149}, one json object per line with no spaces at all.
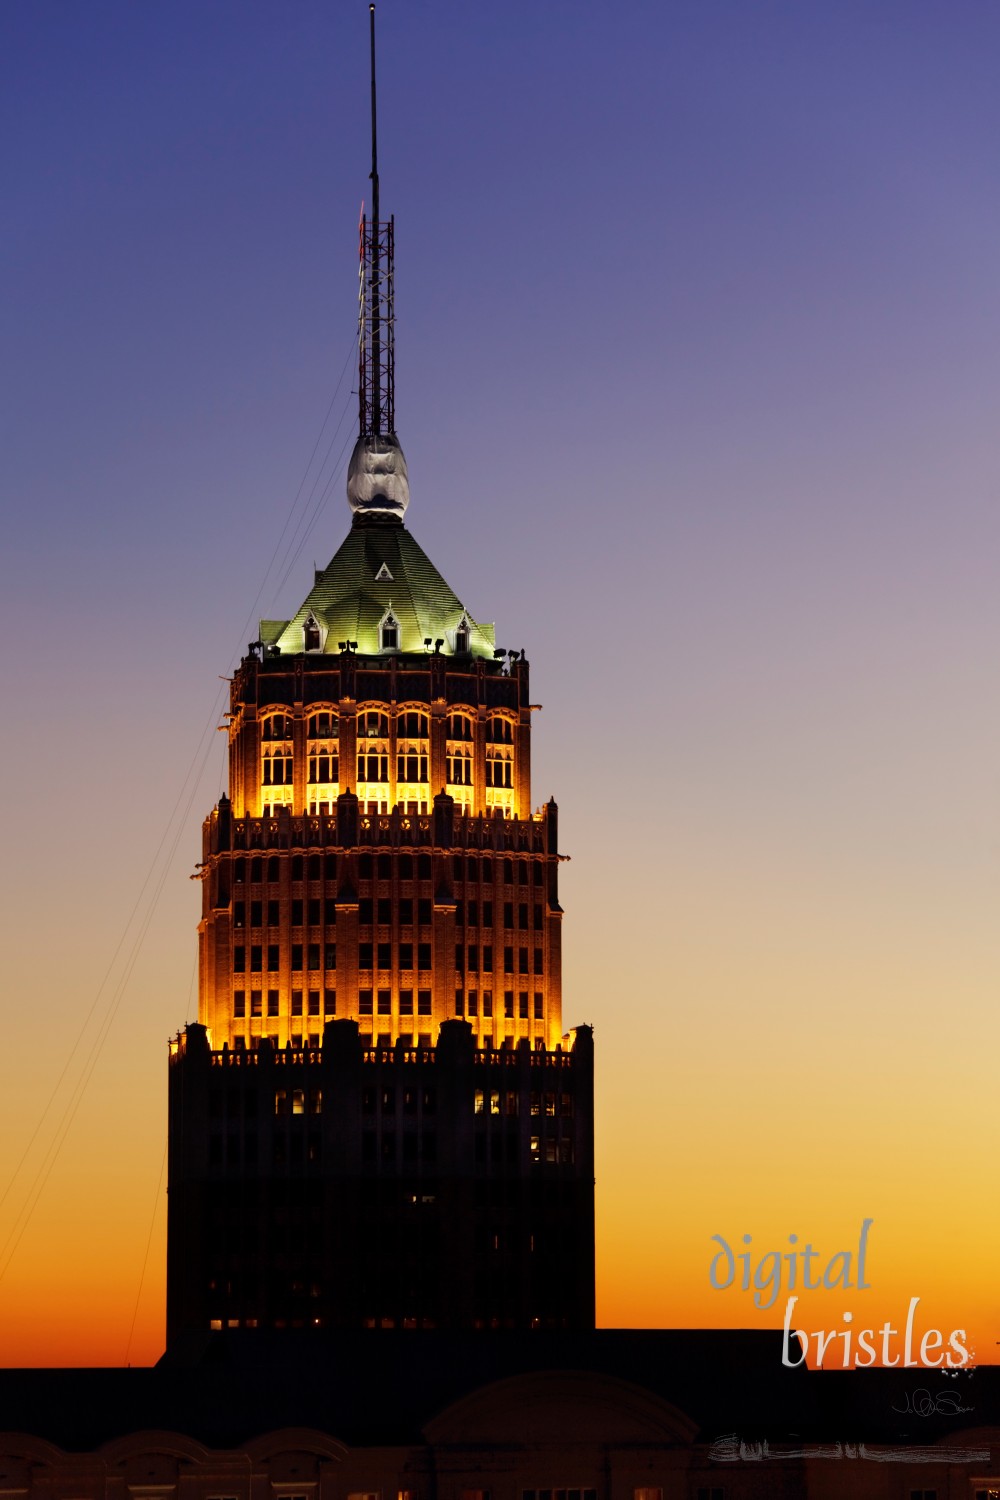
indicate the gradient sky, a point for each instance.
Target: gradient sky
{"x":698,"y":376}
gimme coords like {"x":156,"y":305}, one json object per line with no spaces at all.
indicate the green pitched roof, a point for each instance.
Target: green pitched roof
{"x":378,"y":567}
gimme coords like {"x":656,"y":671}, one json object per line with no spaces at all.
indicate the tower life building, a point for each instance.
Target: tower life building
{"x":378,"y":1120}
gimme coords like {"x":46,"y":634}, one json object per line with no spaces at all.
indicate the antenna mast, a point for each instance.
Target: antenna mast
{"x":377,"y":321}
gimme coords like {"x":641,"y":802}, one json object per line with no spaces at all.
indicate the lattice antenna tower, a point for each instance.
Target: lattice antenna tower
{"x":377,"y":304}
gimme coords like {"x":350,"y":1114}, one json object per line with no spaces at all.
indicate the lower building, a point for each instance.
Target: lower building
{"x":401,"y":1415}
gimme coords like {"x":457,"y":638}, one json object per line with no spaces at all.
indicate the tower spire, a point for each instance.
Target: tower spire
{"x":376,"y":342}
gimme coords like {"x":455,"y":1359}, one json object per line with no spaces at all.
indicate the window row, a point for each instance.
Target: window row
{"x":314,"y":911}
{"x":309,"y":1003}
{"x":467,"y":1004}
{"x":303,"y":956}
{"x":505,"y":1102}
{"x":373,"y":723}
{"x":381,"y":1000}
{"x":261,"y":869}
{"x":467,"y":914}
{"x":468,"y":957}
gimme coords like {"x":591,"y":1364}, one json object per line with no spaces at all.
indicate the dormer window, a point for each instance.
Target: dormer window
{"x":389,"y":633}
{"x":310,"y":634}
{"x":462,"y":638}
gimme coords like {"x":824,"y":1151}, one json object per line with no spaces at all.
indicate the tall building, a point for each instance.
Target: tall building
{"x":378,"y":1120}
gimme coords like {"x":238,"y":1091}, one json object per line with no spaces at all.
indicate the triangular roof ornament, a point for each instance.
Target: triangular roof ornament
{"x":383,"y":575}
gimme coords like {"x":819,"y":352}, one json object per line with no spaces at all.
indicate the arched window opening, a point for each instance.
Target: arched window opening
{"x":500,"y":764}
{"x":310,"y":634}
{"x":389,"y":632}
{"x":413,"y":749}
{"x":277,"y":762}
{"x":323,"y":762}
{"x":459,"y":759}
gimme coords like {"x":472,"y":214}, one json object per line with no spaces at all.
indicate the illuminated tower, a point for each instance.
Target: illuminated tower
{"x":378,"y":1120}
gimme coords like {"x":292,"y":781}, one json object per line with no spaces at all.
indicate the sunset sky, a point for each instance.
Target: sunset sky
{"x":698,"y":355}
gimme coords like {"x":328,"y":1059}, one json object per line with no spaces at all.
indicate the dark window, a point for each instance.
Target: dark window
{"x":473,"y":958}
{"x":539,"y":966}
{"x":273,"y":869}
{"x":313,"y":955}
{"x":255,"y":959}
{"x":240,"y":871}
{"x":296,"y":1002}
{"x":296,"y":866}
{"x":508,"y":960}
{"x":459,"y":956}
{"x":424,"y":910}
{"x":272,"y":1002}
{"x":384,"y":910}
{"x":508,"y":914}
{"x":508,"y":871}
{"x":487,"y":913}
{"x":314,"y":911}
{"x":239,"y":1002}
{"x":331,"y":955}
{"x":273,"y":917}
{"x":539,"y":1007}
{"x":297,"y":913}
{"x":365,"y":911}
{"x":508,"y":1003}
{"x":330,"y":911}
{"x":314,"y":867}
{"x":406,"y":955}
{"x":255,"y":870}
{"x":406,"y":1002}
{"x":423,"y":955}
{"x":385,"y":1002}
{"x":296,"y":955}
{"x":406,"y":867}
{"x":385,"y":955}
{"x":522,"y":1005}
{"x":273,"y":957}
{"x":487,"y":1002}
{"x":256,"y":1002}
{"x":488,"y":958}
{"x":365,"y":1002}
{"x":406,"y":910}
{"x":239,"y":960}
{"x":538,"y":914}
{"x":365,"y":866}
{"x":314,"y":1002}
{"x":423,"y":867}
{"x":522,"y":960}
{"x":459,"y":1003}
{"x":423,"y":1002}
{"x":330,"y":1002}
{"x":522,"y":915}
{"x":330,"y":865}
{"x":364,"y":955}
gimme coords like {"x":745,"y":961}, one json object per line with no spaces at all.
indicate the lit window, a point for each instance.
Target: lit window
{"x":389,"y":632}
{"x":373,"y":756}
{"x":412,"y":759}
